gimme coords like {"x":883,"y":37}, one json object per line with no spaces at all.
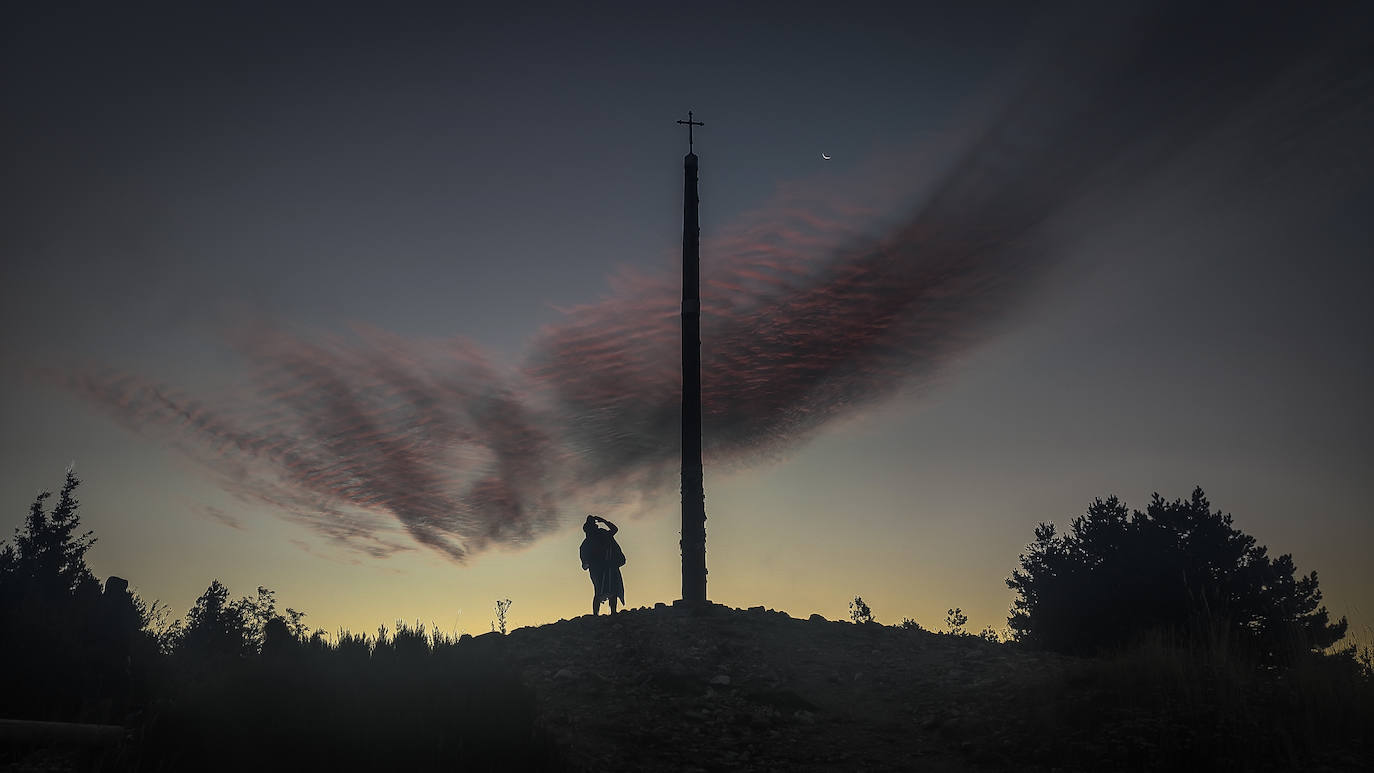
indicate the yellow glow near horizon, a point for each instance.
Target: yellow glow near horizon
{"x":786,"y":537}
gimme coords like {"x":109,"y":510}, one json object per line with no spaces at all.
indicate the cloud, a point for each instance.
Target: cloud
{"x":828,"y":300}
{"x":216,"y":514}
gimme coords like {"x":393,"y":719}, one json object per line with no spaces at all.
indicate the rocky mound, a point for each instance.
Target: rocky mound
{"x":719,"y":689}
{"x":714,"y":688}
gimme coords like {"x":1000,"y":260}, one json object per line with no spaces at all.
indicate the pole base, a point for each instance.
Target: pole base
{"x":694,"y":607}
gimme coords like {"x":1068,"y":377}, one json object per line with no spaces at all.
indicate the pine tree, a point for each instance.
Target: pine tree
{"x":48,"y":558}
{"x":1177,"y":567}
{"x":216,"y":627}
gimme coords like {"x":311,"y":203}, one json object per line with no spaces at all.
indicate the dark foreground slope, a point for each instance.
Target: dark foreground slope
{"x":725,"y":689}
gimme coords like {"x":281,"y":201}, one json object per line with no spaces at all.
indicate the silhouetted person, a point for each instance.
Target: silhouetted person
{"x":602,"y":558}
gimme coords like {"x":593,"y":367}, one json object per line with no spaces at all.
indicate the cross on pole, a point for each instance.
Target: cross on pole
{"x":693,"y":495}
{"x":689,"y":123}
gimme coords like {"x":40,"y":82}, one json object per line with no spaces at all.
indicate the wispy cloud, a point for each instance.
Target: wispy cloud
{"x":216,"y":514}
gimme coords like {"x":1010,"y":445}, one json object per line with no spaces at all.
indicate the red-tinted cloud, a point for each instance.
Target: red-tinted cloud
{"x":826,"y":301}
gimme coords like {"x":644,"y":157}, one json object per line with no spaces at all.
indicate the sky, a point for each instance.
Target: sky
{"x":371,"y":305}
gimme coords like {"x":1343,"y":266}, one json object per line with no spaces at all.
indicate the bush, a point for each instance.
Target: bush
{"x":406,"y":699}
{"x":859,"y":612}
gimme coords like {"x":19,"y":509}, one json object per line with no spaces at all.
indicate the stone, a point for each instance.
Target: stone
{"x":816,"y":619}
{"x":563,"y":673}
{"x":721,"y":679}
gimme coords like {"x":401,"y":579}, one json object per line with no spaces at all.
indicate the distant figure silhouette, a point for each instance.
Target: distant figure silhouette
{"x":602,"y":558}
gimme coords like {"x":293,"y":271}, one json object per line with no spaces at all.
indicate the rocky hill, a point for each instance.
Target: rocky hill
{"x":670,"y":688}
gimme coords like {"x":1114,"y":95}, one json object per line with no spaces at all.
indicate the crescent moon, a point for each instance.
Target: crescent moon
{"x":824,"y":156}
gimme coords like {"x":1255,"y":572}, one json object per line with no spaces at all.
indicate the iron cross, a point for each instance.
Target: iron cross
{"x":689,"y":123}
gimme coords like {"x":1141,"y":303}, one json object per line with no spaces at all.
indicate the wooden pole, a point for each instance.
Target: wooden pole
{"x":693,"y":542}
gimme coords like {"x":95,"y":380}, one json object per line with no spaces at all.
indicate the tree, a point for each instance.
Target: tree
{"x":860,"y":612}
{"x":48,"y":557}
{"x":1179,"y":567}
{"x":217,"y":628}
{"x":65,"y":645}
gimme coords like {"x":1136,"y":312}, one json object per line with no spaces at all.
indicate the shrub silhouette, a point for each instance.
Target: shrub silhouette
{"x":860,"y":612}
{"x":502,"y":609}
{"x":1176,"y":567}
{"x":404,"y":699}
{"x":216,"y":629}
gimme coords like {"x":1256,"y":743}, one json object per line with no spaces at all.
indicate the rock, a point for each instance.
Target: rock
{"x":816,"y":619}
{"x":759,"y":608}
{"x":721,"y":679}
{"x":563,"y":673}
{"x":660,"y":605}
{"x":858,"y":676}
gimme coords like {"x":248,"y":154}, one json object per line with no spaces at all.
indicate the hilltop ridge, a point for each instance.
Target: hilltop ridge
{"x":717,"y":688}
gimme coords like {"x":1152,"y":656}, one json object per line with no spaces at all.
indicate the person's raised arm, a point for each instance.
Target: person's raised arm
{"x":611,"y":526}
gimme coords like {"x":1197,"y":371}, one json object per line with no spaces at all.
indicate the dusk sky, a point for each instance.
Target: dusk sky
{"x":372,"y":305}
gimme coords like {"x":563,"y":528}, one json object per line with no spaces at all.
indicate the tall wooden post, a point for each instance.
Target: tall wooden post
{"x":693,"y":542}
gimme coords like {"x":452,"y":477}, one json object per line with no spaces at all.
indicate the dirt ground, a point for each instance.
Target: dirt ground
{"x":725,"y":689}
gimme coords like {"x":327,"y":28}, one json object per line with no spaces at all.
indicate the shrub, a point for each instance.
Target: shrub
{"x":860,"y":612}
{"x":955,"y":620}
{"x":502,"y":607}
